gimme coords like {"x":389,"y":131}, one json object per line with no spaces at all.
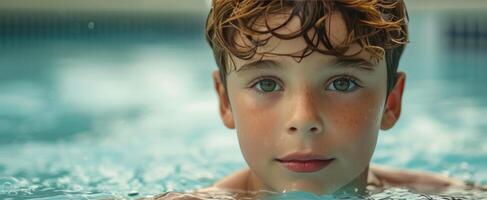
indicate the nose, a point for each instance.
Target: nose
{"x":305,"y":117}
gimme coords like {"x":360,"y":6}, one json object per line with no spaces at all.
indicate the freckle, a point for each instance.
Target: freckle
{"x":355,"y":122}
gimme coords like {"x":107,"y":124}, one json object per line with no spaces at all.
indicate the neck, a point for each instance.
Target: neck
{"x":357,"y":186}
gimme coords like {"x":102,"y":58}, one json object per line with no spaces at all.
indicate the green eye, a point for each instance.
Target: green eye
{"x":267,"y":85}
{"x":343,"y":85}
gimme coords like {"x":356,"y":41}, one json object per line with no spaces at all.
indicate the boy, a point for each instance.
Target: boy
{"x":307,"y":85}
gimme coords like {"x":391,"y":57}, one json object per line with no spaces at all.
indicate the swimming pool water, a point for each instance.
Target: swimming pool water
{"x":129,"y":117}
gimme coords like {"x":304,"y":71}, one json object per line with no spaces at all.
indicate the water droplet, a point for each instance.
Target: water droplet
{"x":91,"y":25}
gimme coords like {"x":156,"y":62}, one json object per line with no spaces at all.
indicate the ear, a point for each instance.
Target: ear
{"x":392,"y":109}
{"x":224,"y":105}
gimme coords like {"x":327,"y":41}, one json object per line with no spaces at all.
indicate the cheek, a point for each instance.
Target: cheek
{"x":356,"y":117}
{"x":255,"y":123}
{"x":355,"y":122}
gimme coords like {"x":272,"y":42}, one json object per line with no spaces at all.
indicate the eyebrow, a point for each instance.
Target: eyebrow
{"x":260,"y":64}
{"x":358,"y":63}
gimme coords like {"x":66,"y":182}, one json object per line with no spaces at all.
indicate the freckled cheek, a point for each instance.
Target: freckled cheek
{"x":355,"y":120}
{"x":256,"y":125}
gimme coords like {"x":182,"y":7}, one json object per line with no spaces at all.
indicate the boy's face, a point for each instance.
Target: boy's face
{"x":309,"y":126}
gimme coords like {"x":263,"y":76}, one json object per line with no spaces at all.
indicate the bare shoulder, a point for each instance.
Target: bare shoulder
{"x":418,"y":180}
{"x":236,"y":181}
{"x":233,"y":183}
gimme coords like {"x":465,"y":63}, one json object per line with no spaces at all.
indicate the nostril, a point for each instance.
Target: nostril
{"x":314,"y":129}
{"x":293,"y":128}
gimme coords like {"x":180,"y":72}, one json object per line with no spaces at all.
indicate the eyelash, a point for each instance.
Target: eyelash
{"x":346,"y":77}
{"x":260,"y":79}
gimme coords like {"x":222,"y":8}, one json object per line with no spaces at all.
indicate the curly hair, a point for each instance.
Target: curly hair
{"x":378,"y":26}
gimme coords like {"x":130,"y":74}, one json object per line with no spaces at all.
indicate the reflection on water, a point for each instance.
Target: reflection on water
{"x":389,"y":194}
{"x":103,"y":117}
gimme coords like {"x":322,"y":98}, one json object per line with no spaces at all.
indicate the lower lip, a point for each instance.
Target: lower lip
{"x":306,"y":166}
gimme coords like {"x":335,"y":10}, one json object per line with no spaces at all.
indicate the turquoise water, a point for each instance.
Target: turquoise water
{"x":91,"y":115}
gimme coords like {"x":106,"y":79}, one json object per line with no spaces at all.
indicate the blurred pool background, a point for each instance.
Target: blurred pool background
{"x":114,"y":98}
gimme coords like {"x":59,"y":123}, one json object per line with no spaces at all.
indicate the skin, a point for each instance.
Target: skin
{"x":305,"y":112}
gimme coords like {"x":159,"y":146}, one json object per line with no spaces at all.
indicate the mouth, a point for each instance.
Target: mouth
{"x":304,"y":162}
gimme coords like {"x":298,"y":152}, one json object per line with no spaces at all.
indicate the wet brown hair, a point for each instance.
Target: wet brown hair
{"x":378,"y":26}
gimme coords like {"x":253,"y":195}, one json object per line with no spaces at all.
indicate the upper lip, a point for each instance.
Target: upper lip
{"x":302,"y":156}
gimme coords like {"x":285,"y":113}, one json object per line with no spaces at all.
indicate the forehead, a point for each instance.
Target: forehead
{"x":275,"y":48}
